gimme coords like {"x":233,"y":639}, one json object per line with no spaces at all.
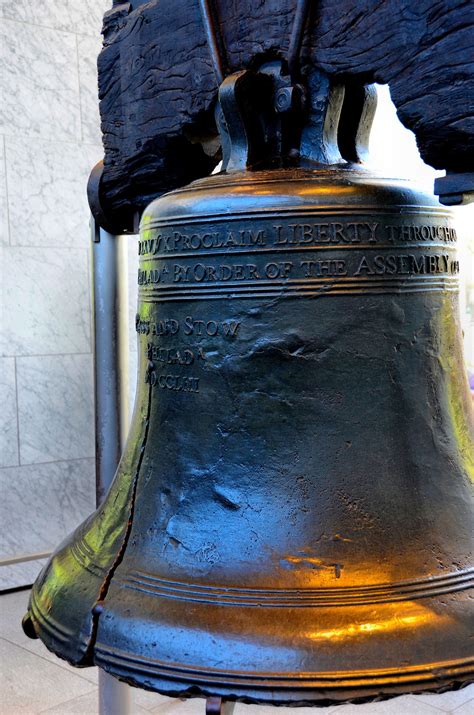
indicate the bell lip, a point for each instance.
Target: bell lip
{"x":274,"y":688}
{"x":58,"y":639}
{"x":28,"y":626}
{"x":288,"y":689}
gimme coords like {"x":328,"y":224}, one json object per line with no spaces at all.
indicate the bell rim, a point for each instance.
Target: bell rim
{"x":285,"y":688}
{"x":276,"y":687}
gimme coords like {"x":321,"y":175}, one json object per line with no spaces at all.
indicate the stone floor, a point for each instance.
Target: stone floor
{"x":33,"y":681}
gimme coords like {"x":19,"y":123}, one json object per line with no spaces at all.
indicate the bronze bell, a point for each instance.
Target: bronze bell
{"x":291,"y":519}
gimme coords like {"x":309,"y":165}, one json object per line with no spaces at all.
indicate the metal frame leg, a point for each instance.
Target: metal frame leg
{"x":115,"y":698}
{"x":110,"y":330}
{"x":216,"y":705}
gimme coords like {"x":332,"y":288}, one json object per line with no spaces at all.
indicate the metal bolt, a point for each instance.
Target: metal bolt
{"x":284,"y":99}
{"x":290,"y":99}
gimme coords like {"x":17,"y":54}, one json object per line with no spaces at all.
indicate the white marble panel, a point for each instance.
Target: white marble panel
{"x":88,"y":49}
{"x":47,"y":197}
{"x":21,"y":574}
{"x":30,"y":685}
{"x":39,"y":91}
{"x":151,"y":701}
{"x":451,"y":701}
{"x":87,"y":705}
{"x":45,"y":301}
{"x":403,"y":705}
{"x":42,"y":503}
{"x":82,"y":16}
{"x":55,"y":408}
{"x":4,"y":232}
{"x":195,"y":706}
{"x":466,"y":709}
{"x":241,"y":709}
{"x":8,"y":415}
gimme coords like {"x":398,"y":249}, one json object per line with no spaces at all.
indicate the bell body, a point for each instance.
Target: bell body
{"x":291,"y":520}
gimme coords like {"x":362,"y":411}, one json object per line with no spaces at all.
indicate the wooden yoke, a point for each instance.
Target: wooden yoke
{"x":158,"y":87}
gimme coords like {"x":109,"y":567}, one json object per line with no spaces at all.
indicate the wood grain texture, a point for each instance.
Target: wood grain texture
{"x":425,"y":51}
{"x":157,"y":85}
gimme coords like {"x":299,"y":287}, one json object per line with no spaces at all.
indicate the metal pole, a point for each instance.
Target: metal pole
{"x":214,"y":39}
{"x":115,"y":698}
{"x":110,"y":331}
{"x":297,"y":32}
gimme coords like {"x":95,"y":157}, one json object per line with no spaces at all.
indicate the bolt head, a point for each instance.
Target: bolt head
{"x":284,"y":99}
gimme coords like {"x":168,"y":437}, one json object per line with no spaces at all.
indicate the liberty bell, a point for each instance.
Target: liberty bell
{"x":291,"y":520}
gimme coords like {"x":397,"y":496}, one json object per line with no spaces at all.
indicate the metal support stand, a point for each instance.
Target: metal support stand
{"x":219,"y":706}
{"x":110,"y":330}
{"x":115,"y":698}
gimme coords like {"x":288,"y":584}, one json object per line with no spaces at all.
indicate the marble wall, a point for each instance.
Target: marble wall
{"x":49,"y":141}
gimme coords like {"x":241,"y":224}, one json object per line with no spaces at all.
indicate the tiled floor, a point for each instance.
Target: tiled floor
{"x":34,"y":681}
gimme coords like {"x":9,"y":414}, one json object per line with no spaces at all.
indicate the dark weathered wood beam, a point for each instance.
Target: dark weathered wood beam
{"x":158,"y":87}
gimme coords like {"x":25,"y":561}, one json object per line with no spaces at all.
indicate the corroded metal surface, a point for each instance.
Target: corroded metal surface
{"x":291,"y":518}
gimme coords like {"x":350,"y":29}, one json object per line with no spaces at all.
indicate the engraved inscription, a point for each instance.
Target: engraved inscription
{"x":401,"y":234}
{"x":318,"y":269}
{"x":227,"y":328}
{"x":177,"y":383}
{"x":168,"y":326}
{"x":361,"y":265}
{"x":174,"y":356}
{"x":177,"y":241}
{"x":264,"y":234}
{"x":242,"y":256}
{"x":184,"y":357}
{"x":406,"y":264}
{"x":191,"y":325}
{"x":317,"y":233}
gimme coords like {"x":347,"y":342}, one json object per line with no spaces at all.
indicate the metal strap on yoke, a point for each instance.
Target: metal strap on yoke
{"x":214,"y":38}
{"x":216,"y":44}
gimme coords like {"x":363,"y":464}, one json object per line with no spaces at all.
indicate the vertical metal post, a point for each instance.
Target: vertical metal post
{"x":115,"y":698}
{"x":110,"y":331}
